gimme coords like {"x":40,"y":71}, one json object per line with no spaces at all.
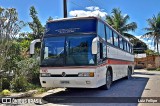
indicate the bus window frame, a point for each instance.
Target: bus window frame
{"x":112,"y":30}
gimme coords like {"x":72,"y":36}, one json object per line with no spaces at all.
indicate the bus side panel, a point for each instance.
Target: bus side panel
{"x":119,"y":61}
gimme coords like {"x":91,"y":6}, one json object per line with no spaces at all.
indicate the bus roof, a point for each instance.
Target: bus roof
{"x":89,"y":17}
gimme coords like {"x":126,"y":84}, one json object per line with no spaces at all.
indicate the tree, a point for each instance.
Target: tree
{"x":153,"y":30}
{"x":120,"y":22}
{"x":150,"y":52}
{"x":10,"y":27}
{"x":36,"y":25}
{"x":49,"y":19}
{"x":138,"y":45}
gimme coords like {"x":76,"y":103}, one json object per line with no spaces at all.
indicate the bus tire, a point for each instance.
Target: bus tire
{"x":108,"y":81}
{"x":129,"y":73}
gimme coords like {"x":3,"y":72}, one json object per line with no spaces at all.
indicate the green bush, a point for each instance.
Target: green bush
{"x":30,"y":69}
{"x":5,"y":83}
{"x":19,"y":84}
{"x":158,"y":69}
{"x":31,"y":86}
{"x":41,"y":90}
{"x":6,"y":92}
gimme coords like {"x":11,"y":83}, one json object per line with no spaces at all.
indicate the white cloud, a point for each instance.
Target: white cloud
{"x":96,"y":8}
{"x":92,"y":11}
{"x":92,"y":8}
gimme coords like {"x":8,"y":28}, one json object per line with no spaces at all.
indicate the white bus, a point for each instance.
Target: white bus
{"x":83,"y":52}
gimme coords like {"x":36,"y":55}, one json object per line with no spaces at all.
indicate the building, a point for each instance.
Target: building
{"x":149,"y":62}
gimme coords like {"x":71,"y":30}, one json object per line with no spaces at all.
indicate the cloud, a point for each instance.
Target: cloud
{"x":91,"y":11}
{"x":92,"y":8}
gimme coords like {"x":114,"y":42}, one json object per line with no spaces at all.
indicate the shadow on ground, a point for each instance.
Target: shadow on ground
{"x":121,"y":89}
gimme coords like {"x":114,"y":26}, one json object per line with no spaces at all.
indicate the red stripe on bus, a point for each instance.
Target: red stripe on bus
{"x":112,"y":61}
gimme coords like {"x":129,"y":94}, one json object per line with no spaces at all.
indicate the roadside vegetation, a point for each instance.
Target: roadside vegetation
{"x":19,"y":71}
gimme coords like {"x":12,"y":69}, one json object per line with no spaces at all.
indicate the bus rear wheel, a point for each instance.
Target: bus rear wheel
{"x":108,"y":81}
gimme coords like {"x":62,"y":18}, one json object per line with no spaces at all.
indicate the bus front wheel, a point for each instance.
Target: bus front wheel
{"x":108,"y":81}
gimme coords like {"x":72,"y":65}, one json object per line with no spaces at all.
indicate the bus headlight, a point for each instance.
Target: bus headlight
{"x":45,"y":74}
{"x":86,"y":74}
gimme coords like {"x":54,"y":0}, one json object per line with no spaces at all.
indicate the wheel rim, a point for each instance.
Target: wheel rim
{"x":109,"y":79}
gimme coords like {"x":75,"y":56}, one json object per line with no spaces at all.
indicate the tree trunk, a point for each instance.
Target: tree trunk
{"x":158,"y":48}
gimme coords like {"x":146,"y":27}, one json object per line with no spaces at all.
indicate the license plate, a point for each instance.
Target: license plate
{"x":64,"y":82}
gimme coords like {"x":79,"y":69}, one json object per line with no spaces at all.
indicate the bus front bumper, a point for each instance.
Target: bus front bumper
{"x":69,"y":82}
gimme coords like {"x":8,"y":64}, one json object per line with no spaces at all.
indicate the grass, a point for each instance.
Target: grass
{"x":0,"y":94}
{"x":41,"y":90}
{"x":158,"y":69}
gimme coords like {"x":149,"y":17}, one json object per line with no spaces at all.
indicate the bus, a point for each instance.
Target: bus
{"x":83,"y":52}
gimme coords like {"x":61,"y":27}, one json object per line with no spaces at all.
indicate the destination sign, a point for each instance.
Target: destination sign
{"x":71,"y":26}
{"x":70,"y":30}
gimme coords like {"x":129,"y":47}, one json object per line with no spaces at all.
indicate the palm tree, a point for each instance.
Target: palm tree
{"x":153,"y":30}
{"x":120,"y":22}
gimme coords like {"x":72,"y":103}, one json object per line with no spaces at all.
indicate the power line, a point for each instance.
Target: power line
{"x":77,"y":5}
{"x":97,"y":4}
{"x":81,"y":6}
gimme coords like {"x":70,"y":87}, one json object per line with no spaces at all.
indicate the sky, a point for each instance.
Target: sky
{"x":138,"y":10}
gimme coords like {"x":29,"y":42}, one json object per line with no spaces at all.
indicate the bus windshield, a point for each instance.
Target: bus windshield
{"x":67,"y":51}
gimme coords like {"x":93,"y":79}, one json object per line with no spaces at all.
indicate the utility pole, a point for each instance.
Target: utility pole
{"x":65,"y":8}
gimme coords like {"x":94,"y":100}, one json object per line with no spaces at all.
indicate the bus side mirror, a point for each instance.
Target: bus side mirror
{"x":95,"y":45}
{"x":32,"y":45}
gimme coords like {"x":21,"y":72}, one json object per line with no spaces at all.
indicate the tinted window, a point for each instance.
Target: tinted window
{"x":109,"y":35}
{"x":121,"y":42}
{"x":101,"y":31}
{"x":78,"y":50}
{"x":104,"y":51}
{"x":101,"y":51}
{"x":127,"y":47}
{"x":53,"y":51}
{"x":116,"y":39}
{"x":131,"y":48}
{"x":124,"y":44}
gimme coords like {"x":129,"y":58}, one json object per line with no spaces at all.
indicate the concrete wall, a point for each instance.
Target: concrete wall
{"x":149,"y":62}
{"x":157,"y":61}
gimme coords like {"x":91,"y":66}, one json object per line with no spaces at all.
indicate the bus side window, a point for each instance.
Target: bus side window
{"x":109,"y":35}
{"x":104,"y":51}
{"x":101,"y":51}
{"x":101,"y":30}
{"x":124,"y":44}
{"x":120,"y":42}
{"x":116,"y":39}
{"x":127,"y":47}
{"x":131,"y":49}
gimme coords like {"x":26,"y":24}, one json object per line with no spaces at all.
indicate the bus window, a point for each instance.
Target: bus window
{"x":121,"y":42}
{"x":104,"y":51}
{"x":124,"y":45}
{"x":109,"y":35}
{"x":130,"y":48}
{"x":127,"y":47}
{"x":116,"y":41}
{"x":101,"y":51}
{"x":101,"y":31}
